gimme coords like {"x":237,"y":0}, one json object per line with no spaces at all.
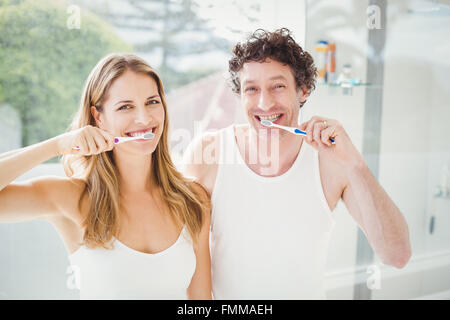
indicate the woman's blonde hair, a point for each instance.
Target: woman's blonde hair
{"x":187,"y":202}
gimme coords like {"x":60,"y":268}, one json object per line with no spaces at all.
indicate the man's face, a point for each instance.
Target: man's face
{"x":268,"y":91}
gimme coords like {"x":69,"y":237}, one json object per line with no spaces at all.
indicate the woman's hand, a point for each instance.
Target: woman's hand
{"x":85,"y":141}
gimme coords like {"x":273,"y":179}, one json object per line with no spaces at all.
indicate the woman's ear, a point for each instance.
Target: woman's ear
{"x":96,"y":114}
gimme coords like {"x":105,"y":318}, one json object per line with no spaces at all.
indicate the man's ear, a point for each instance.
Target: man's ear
{"x":302,"y":95}
{"x":96,"y":114}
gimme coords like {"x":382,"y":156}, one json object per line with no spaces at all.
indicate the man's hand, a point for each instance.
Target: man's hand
{"x":319,"y":130}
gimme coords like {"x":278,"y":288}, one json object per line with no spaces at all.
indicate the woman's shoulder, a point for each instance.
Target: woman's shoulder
{"x":60,"y":185}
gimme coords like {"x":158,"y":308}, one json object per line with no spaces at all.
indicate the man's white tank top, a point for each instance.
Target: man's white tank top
{"x":269,"y":236}
{"x":124,"y":273}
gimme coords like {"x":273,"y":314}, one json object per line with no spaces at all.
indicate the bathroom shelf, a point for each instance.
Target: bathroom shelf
{"x":347,"y":88}
{"x":345,"y":85}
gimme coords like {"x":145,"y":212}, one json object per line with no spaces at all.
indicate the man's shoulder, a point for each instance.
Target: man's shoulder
{"x":214,"y":136}
{"x":201,"y":159}
{"x":209,"y":139}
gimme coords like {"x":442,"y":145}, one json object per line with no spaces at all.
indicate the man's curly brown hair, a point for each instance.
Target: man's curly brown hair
{"x":278,"y":45}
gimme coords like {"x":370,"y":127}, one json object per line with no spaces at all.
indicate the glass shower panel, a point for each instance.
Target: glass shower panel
{"x":396,"y":112}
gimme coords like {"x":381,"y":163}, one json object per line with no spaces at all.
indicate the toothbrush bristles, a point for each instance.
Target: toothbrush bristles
{"x":148,"y":136}
{"x":266,"y":123}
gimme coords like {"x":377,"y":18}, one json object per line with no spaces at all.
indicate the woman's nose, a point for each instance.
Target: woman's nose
{"x":143,"y":115}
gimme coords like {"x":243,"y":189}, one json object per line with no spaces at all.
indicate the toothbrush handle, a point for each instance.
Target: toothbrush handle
{"x":116,"y":141}
{"x":298,"y":131}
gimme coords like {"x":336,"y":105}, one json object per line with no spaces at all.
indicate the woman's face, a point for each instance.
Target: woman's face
{"x":133,"y":106}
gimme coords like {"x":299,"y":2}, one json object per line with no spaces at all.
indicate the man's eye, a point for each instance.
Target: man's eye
{"x":250,"y":89}
{"x":278,"y":86}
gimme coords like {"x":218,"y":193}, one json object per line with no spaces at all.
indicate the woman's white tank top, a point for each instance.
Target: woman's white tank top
{"x":124,"y":273}
{"x":269,"y":236}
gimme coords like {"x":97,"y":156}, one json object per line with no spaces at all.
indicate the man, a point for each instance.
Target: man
{"x":273,"y":192}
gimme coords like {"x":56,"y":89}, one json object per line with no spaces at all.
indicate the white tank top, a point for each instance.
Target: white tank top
{"x":269,"y":236}
{"x":124,"y":273}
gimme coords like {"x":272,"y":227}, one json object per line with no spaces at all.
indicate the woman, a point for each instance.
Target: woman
{"x":133,"y":226}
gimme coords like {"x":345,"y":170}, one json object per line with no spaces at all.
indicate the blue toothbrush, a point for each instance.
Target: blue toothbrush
{"x":293,"y":130}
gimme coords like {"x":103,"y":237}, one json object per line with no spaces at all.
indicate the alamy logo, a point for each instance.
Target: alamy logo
{"x":374,"y":280}
{"x":373,"y":17}
{"x":74,"y":279}
{"x":74,"y":20}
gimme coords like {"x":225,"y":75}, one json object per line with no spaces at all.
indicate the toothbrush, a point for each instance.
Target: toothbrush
{"x":293,"y":130}
{"x":118,"y":140}
{"x":145,"y":136}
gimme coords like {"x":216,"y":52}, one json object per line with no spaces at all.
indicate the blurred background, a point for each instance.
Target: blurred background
{"x":385,"y":78}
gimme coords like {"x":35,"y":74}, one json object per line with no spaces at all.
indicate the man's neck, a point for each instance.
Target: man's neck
{"x":270,"y":154}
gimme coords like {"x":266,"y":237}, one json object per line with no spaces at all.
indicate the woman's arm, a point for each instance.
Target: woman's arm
{"x":40,"y":197}
{"x":13,"y":152}
{"x":15,"y":163}
{"x":26,"y":200}
{"x":200,"y":287}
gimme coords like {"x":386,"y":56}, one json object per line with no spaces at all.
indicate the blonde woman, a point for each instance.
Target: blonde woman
{"x":133,"y":226}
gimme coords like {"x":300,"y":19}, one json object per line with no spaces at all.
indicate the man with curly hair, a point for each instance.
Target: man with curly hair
{"x":273,"y":192}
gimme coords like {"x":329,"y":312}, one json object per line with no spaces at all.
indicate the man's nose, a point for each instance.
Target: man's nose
{"x":266,"y":100}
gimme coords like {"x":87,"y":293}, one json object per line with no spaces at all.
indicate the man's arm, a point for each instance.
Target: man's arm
{"x":365,"y":199}
{"x":377,"y":215}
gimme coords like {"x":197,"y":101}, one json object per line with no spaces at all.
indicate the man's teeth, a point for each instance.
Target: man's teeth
{"x":271,"y":117}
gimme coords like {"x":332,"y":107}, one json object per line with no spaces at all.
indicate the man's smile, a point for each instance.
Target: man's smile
{"x":273,"y":117}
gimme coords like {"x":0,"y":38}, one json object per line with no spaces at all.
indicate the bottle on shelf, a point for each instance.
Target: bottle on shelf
{"x":330,"y":75}
{"x":344,"y":79}
{"x":321,"y":50}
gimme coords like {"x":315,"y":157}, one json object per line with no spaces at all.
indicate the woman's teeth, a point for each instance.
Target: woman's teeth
{"x":135,"y":134}
{"x":273,"y":117}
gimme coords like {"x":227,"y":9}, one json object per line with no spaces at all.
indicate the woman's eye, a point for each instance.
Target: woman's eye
{"x":250,"y":89}
{"x":152,"y":102}
{"x":125,"y":107}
